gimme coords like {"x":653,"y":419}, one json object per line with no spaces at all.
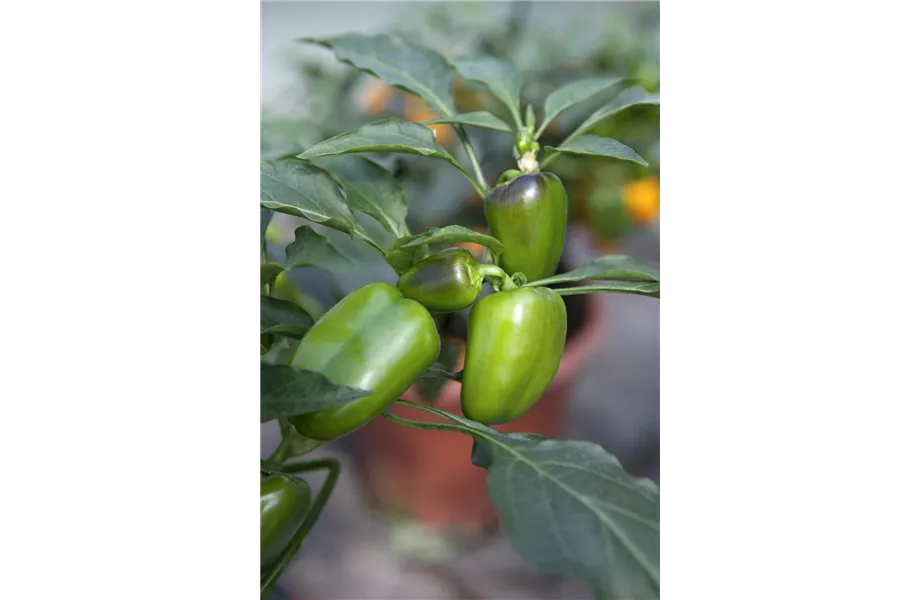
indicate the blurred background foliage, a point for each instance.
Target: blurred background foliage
{"x":609,"y":198}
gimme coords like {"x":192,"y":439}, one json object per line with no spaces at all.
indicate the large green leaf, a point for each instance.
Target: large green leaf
{"x":287,"y":391}
{"x":371,"y":189}
{"x":633,"y":96}
{"x":303,"y":190}
{"x":501,"y":77}
{"x":417,"y":70}
{"x":283,"y":317}
{"x":568,"y":507}
{"x":617,"y":267}
{"x":477,"y":119}
{"x":388,"y":135}
{"x":595,"y":145}
{"x":405,"y":251}
{"x":312,"y":249}
{"x":571,"y":94}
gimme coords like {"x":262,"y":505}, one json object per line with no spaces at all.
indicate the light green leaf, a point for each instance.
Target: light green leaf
{"x":388,"y":135}
{"x":595,"y":145}
{"x":501,"y":77}
{"x":476,"y":119}
{"x":404,"y":252}
{"x":571,"y":94}
{"x":612,"y":266}
{"x":633,"y":96}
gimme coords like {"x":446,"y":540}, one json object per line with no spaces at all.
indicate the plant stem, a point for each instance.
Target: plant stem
{"x":482,"y":187}
{"x":281,"y":564}
{"x":498,"y":273}
{"x":281,"y":452}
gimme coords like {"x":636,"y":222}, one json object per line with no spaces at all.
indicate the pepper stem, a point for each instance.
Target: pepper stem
{"x":507,"y":283}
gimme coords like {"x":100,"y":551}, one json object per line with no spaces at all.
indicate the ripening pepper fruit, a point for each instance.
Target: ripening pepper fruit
{"x":374,"y":339}
{"x":529,"y":215}
{"x":446,"y":281}
{"x":514,"y":346}
{"x":285,"y":502}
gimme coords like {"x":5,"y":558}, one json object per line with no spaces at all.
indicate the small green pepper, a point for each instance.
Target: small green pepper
{"x":447,"y":281}
{"x":514,"y":346}
{"x":529,"y":215}
{"x":374,"y":339}
{"x":285,"y":502}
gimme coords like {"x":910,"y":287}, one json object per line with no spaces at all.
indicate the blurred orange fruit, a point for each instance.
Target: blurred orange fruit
{"x":375,"y":96}
{"x":416,"y":111}
{"x":642,"y":199}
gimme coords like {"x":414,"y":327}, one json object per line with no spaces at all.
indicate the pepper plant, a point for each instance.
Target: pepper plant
{"x":567,"y":506}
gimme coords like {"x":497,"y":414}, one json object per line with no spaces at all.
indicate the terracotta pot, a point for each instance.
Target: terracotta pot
{"x":427,"y":475}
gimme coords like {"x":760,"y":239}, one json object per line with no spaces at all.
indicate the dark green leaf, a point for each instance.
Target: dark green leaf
{"x":312,"y":249}
{"x":388,"y":135}
{"x":501,"y":77}
{"x":617,"y":267}
{"x":570,"y":509}
{"x":300,"y":189}
{"x":269,"y":272}
{"x":371,"y":189}
{"x":417,"y":70}
{"x":633,"y":96}
{"x":283,"y":317}
{"x":594,"y":145}
{"x":573,"y":93}
{"x":287,"y":392}
{"x":477,"y":119}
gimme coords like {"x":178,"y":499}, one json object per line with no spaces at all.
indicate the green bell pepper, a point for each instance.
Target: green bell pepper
{"x":447,"y":281}
{"x":374,"y":339}
{"x":514,"y":347}
{"x":285,"y":503}
{"x":529,"y":215}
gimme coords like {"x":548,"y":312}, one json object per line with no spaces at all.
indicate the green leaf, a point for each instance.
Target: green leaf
{"x":388,"y":135}
{"x":281,"y":351}
{"x":617,"y":267}
{"x":287,"y":392}
{"x":417,"y":70}
{"x":283,"y":317}
{"x":401,"y":257}
{"x":570,"y":509}
{"x":297,"y":188}
{"x":269,"y":272}
{"x":571,"y":94}
{"x":594,"y":145}
{"x":477,"y":119}
{"x":633,"y":96}
{"x":567,"y":507}
{"x":371,"y":189}
{"x":501,"y":77}
{"x":652,"y":290}
{"x":312,"y":249}
{"x":453,"y":234}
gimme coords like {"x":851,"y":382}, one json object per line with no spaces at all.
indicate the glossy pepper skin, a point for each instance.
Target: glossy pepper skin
{"x":374,"y":339}
{"x":446,"y":281}
{"x":285,"y":502}
{"x":529,"y":215}
{"x":514,"y":346}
